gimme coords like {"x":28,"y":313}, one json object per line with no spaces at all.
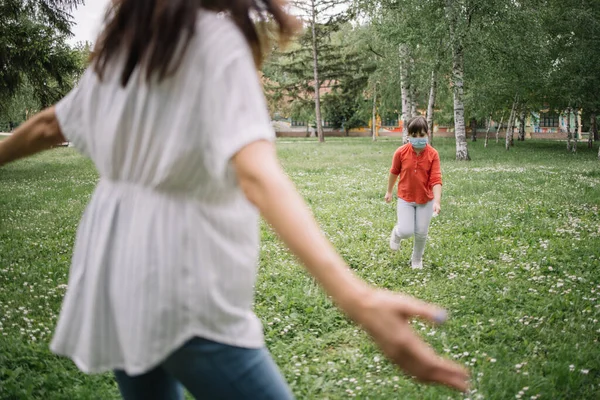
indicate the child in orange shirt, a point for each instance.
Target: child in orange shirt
{"x":419,"y":189}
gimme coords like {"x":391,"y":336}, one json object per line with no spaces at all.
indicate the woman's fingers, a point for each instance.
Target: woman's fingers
{"x":420,"y":360}
{"x":410,"y":307}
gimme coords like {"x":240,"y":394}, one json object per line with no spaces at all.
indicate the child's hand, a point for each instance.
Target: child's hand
{"x":437,"y":208}
{"x":388,"y":197}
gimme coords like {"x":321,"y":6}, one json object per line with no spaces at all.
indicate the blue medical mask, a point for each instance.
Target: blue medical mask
{"x":418,"y":142}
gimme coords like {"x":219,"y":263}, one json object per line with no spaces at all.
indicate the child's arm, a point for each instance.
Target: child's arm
{"x":39,"y":133}
{"x":383,"y":314}
{"x":437,"y":199}
{"x":394,"y":173}
{"x":435,"y":182}
{"x":390,"y":187}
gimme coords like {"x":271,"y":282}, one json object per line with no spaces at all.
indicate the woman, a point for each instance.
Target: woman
{"x":172,"y":114}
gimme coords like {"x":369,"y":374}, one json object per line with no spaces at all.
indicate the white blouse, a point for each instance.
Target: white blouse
{"x":167,"y":248}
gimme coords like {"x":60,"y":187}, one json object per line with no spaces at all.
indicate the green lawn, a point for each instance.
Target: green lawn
{"x":515,"y":257}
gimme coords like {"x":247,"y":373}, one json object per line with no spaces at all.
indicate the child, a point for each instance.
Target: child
{"x":160,"y":290}
{"x":419,"y":189}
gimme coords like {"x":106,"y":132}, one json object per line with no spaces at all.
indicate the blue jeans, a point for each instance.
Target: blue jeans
{"x":209,"y":370}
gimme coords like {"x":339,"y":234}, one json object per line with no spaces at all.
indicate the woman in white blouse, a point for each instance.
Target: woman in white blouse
{"x":172,"y":114}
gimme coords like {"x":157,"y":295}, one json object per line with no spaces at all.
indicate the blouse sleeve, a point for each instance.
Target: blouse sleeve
{"x":396,"y":163}
{"x":69,"y":114}
{"x":239,"y":113}
{"x":435,"y":174}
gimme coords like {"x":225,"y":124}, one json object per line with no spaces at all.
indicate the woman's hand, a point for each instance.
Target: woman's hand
{"x":385,"y":316}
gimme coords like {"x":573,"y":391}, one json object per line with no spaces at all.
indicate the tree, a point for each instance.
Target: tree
{"x":345,"y":67}
{"x":573,"y":31}
{"x":322,"y":17}
{"x":33,"y":49}
{"x":454,"y":15}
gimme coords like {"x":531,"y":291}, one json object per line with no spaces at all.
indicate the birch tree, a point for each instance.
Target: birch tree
{"x":431,"y":104}
{"x":487,"y":131}
{"x":453,"y":16}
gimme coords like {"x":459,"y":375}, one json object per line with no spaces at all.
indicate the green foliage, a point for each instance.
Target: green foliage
{"x":33,"y":50}
{"x":513,"y":256}
{"x":345,"y":110}
{"x":573,"y":28}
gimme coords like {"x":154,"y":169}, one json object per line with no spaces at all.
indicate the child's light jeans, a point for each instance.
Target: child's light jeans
{"x":413,"y":220}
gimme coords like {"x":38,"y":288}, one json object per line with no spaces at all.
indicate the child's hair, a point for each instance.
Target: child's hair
{"x":417,"y":125}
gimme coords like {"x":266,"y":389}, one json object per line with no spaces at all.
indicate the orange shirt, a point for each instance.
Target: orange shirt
{"x":418,"y":173}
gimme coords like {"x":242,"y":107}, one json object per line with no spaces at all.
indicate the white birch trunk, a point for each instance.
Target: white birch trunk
{"x":522,"y":125}
{"x":498,"y":128}
{"x":569,"y":129}
{"x":431,"y":105}
{"x":509,"y":127}
{"x":487,"y":131}
{"x":374,"y":117}
{"x":413,"y":87}
{"x":593,"y":135}
{"x":576,"y":133}
{"x":405,"y":90}
{"x":462,"y":152}
{"x":317,"y":84}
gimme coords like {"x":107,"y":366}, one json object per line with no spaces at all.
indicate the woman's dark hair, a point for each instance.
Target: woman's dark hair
{"x":150,"y":31}
{"x":417,"y":125}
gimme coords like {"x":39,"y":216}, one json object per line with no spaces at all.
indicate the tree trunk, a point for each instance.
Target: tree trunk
{"x":509,"y":127}
{"x":374,"y":120}
{"x":405,"y":90}
{"x":487,"y":131}
{"x":522,"y":125}
{"x":569,"y":129}
{"x":499,"y":127}
{"x":413,"y":87}
{"x":462,"y":152}
{"x":473,"y":130}
{"x":576,"y":132}
{"x":431,"y":105}
{"x":593,"y":135}
{"x":512,"y":130}
{"x":316,"y":75}
{"x":413,"y":102}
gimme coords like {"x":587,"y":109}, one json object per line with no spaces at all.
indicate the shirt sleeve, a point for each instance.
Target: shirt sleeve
{"x":240,"y":114}
{"x":396,"y":163}
{"x":69,"y":114}
{"x":435,"y":174}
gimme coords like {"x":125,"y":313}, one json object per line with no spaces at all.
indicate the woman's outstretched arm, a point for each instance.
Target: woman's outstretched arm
{"x":383,"y":314}
{"x":38,"y":133}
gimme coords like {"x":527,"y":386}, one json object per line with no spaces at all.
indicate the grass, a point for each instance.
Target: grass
{"x":515,"y":257}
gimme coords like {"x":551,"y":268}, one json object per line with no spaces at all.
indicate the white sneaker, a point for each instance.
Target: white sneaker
{"x":394,"y":240}
{"x":417,"y":264}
